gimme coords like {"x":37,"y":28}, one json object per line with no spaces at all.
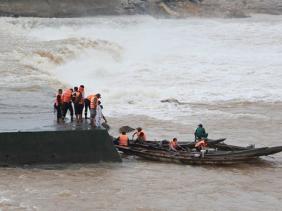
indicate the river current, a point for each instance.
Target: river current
{"x":166,"y":75}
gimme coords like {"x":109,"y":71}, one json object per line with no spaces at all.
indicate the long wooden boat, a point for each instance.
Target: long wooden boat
{"x":160,"y":144}
{"x":193,"y":158}
{"x":212,"y":157}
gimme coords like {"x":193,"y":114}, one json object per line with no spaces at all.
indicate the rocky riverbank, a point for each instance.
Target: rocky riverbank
{"x":174,"y":8}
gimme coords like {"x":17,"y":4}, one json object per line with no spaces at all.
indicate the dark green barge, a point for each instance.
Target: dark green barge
{"x":50,"y":147}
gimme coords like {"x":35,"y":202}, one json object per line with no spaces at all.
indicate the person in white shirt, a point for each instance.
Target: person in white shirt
{"x":99,"y":115}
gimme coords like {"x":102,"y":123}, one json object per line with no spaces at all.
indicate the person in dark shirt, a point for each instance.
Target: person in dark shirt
{"x":58,"y":105}
{"x":200,"y":133}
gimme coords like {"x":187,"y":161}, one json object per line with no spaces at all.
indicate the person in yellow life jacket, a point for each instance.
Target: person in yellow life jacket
{"x":141,"y":135}
{"x":201,"y":144}
{"x":67,"y":103}
{"x":78,"y":104}
{"x":58,"y":105}
{"x":173,"y":145}
{"x":87,"y":104}
{"x":93,"y":107}
{"x":123,"y":139}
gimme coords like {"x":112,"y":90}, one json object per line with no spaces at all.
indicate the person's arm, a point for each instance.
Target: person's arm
{"x":134,"y":135}
{"x":104,"y":118}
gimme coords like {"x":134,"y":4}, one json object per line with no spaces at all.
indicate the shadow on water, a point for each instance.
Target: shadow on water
{"x":65,"y":166}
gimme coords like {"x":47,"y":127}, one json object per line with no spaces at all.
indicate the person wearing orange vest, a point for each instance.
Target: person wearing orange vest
{"x":123,"y":139}
{"x":173,"y":145}
{"x":93,"y":107}
{"x":78,"y":104}
{"x":141,"y":135}
{"x":87,"y":104}
{"x":67,"y":103}
{"x":201,"y":144}
{"x":58,"y":105}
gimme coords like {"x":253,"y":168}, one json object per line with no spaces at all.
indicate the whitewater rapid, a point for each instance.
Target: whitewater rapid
{"x":191,"y":60}
{"x":137,"y":63}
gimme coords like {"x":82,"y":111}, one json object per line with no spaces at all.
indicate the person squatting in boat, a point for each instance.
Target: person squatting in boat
{"x":200,"y":133}
{"x":141,"y":135}
{"x":173,"y":145}
{"x":201,"y":144}
{"x":122,"y":140}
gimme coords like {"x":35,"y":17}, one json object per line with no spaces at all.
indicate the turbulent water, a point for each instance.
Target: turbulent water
{"x":165,"y":75}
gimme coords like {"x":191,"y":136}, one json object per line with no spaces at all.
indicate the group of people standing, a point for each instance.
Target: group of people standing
{"x":74,"y":101}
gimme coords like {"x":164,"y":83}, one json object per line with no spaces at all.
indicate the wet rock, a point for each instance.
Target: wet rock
{"x":172,"y":100}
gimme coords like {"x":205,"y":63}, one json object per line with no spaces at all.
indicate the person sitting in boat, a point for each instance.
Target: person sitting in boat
{"x":123,"y":139}
{"x":173,"y":145}
{"x":141,"y":136}
{"x":201,"y":144}
{"x":200,"y":133}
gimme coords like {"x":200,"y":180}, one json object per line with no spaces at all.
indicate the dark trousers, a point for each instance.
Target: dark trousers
{"x":86,"y":106}
{"x":66,"y":107}
{"x":59,"y":111}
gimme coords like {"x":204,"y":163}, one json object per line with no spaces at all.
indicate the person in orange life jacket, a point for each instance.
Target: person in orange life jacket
{"x":78,"y":104}
{"x":93,"y":107}
{"x":58,"y":105}
{"x":87,"y":104}
{"x":141,"y":136}
{"x":201,"y":144}
{"x":173,"y":145}
{"x":123,"y":139}
{"x":67,"y":103}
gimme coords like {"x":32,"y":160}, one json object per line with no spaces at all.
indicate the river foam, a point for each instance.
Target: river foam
{"x":138,"y":62}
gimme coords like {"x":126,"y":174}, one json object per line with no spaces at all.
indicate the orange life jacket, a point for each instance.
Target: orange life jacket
{"x":92,"y":104}
{"x":123,"y":140}
{"x":142,"y":137}
{"x":67,"y":95}
{"x":90,"y":96}
{"x":201,"y":144}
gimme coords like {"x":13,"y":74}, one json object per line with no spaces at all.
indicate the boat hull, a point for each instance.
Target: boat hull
{"x":185,"y":158}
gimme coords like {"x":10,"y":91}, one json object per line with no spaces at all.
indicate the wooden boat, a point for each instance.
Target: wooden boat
{"x":212,"y":143}
{"x":162,"y":144}
{"x":210,"y":157}
{"x":193,"y":158}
